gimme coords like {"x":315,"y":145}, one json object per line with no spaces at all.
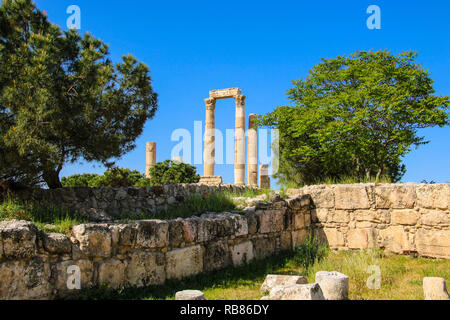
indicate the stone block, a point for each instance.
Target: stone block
{"x":25,"y":280}
{"x":176,"y":233}
{"x":361,"y":238}
{"x":297,"y":292}
{"x":334,"y":237}
{"x":334,"y":285}
{"x":321,"y":196}
{"x":395,"y":196}
{"x":433,"y":196}
{"x":433,"y":243}
{"x":95,"y":239}
{"x":274,"y":280}
{"x":64,"y":276}
{"x":351,"y":197}
{"x":242,"y":253}
{"x":112,"y":273}
{"x":185,"y":262}
{"x":286,"y":240}
{"x":217,"y":256}
{"x":405,"y":217}
{"x":434,"y":288}
{"x":264,"y":247}
{"x":19,"y":239}
{"x":270,"y":220}
{"x":57,"y":243}
{"x":395,"y":239}
{"x":339,"y":216}
{"x":435,"y":218}
{"x":189,"y":295}
{"x":190,"y":227}
{"x":299,"y":237}
{"x":152,"y":234}
{"x":252,"y":222}
{"x":146,"y":269}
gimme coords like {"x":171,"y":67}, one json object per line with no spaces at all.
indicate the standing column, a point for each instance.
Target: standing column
{"x":264,"y":180}
{"x":210,"y":126}
{"x":239,"y":141}
{"x":252,"y":151}
{"x":150,"y":158}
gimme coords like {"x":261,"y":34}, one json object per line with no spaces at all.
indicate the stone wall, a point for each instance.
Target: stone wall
{"x":35,"y":265}
{"x":102,"y":204}
{"x":402,"y":218}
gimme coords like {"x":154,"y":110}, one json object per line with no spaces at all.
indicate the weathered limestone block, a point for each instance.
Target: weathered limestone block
{"x":274,"y":280}
{"x":286,"y":240}
{"x":395,"y":196}
{"x":190,"y":227}
{"x":321,"y":196}
{"x":19,"y":239}
{"x":176,"y":234}
{"x":65,"y":276}
{"x":240,"y":224}
{"x":434,"y":288}
{"x":361,"y":238}
{"x":433,"y":196}
{"x":224,"y":93}
{"x":217,"y":256}
{"x":433,"y":243}
{"x":252,"y":222}
{"x":152,"y":234}
{"x":301,"y":220}
{"x":211,"y":180}
{"x":25,"y":279}
{"x":181,"y":263}
{"x":211,"y":226}
{"x":264,"y":247}
{"x":123,"y":235}
{"x":298,"y":237}
{"x":145,"y":269}
{"x":405,"y":217}
{"x":242,"y":253}
{"x":112,"y":273}
{"x":334,"y":285}
{"x":395,"y":239}
{"x":434,"y":218}
{"x":57,"y":243}
{"x":339,"y":216}
{"x":297,"y":292}
{"x":270,"y":220}
{"x":376,"y":216}
{"x":351,"y":197}
{"x":95,"y":239}
{"x":190,"y":295}
{"x":320,"y":215}
{"x":334,"y":237}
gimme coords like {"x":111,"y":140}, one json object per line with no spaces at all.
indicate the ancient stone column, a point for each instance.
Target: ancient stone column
{"x":264,"y":180}
{"x":239,"y":141}
{"x":150,"y":158}
{"x":210,"y":126}
{"x":252,"y":161}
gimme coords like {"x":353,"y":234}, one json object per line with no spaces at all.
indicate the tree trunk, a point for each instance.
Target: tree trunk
{"x":380,"y":171}
{"x":51,"y":178}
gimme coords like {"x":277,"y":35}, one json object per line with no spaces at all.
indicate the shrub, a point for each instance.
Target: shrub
{"x":170,"y":172}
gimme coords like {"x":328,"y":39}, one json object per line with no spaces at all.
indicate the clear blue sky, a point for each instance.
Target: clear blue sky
{"x":192,"y":47}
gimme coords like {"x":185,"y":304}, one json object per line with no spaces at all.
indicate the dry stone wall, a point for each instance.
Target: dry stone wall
{"x":37,"y":265}
{"x":103,"y":204}
{"x":406,"y":218}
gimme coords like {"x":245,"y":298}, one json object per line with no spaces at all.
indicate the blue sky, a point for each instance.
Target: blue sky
{"x":192,"y":47}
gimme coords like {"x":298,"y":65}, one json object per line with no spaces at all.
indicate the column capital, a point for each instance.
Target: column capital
{"x":240,"y":100}
{"x":210,"y":103}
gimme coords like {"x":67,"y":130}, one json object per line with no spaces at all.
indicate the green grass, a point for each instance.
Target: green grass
{"x":341,"y":180}
{"x":401,"y":276}
{"x":46,"y":217}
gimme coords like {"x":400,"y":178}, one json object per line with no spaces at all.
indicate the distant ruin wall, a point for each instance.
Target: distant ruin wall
{"x":36,"y":265}
{"x":102,"y":204}
{"x":406,"y":218}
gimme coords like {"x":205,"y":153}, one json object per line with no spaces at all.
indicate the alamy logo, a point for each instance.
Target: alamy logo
{"x":74,"y":20}
{"x":374,"y":21}
{"x":374,"y":281}
{"x":74,"y":279}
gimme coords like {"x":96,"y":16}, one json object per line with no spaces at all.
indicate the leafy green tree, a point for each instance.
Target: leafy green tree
{"x":80,"y":180}
{"x":355,"y":116}
{"x":62,"y":99}
{"x":118,"y":177}
{"x":171,"y":172}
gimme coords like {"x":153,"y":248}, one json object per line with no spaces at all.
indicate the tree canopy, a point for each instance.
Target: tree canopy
{"x":355,"y":116}
{"x":62,"y":98}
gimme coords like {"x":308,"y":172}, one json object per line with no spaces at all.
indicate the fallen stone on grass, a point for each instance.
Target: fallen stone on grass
{"x":434,"y":288}
{"x":274,"y":280}
{"x":190,"y":295}
{"x":296,"y":292}
{"x":334,"y":285}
